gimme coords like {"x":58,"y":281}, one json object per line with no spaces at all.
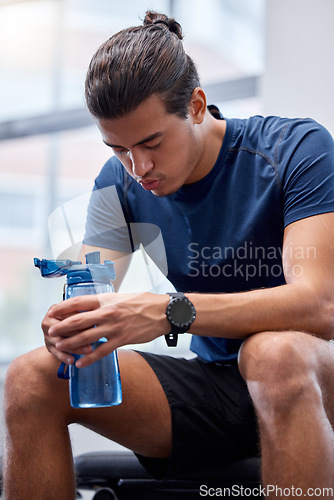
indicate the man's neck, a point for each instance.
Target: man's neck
{"x":214,"y":134}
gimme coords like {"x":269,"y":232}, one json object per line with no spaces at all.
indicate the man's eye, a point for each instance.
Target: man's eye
{"x":155,"y":146}
{"x":120,"y":151}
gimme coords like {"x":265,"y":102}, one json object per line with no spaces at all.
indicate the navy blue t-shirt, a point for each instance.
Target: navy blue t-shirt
{"x":224,"y":233}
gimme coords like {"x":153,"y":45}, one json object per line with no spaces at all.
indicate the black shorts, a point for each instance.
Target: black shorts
{"x":213,"y":419}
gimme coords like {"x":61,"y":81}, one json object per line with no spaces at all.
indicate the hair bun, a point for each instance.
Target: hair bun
{"x":170,"y":23}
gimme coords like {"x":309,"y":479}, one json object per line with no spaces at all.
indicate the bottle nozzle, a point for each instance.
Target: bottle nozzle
{"x":93,"y":258}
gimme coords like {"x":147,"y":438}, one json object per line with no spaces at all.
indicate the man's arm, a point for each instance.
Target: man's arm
{"x":305,"y":303}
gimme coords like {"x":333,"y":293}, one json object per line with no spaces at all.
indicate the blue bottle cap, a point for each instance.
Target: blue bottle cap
{"x":76,"y":272}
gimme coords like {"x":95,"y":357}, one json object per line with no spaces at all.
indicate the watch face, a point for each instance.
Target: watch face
{"x":181,"y":312}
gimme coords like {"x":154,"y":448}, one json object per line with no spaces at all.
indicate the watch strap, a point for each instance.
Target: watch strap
{"x":171,"y":339}
{"x":176,"y":295}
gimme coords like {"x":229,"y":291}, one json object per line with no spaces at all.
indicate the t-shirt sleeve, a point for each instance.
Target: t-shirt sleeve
{"x":308,"y":175}
{"x":106,"y":224}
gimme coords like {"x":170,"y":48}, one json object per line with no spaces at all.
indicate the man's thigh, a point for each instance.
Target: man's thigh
{"x":142,"y":422}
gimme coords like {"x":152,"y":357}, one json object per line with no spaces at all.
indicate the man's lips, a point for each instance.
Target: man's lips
{"x":150,"y":184}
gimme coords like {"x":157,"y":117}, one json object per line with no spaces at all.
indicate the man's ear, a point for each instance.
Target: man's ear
{"x":197,"y":105}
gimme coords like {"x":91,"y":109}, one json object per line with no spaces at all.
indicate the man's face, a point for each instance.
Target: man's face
{"x":159,"y":150}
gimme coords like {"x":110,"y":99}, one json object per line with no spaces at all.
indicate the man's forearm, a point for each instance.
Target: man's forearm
{"x":287,"y":307}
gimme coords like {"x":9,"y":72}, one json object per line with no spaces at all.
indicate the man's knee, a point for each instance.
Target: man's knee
{"x":278,"y":368}
{"x":27,"y":387}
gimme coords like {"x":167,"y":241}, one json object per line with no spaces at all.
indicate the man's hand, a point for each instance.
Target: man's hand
{"x":121,"y":318}
{"x":51,"y":341}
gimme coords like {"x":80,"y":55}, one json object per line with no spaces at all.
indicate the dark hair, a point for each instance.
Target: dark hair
{"x":138,"y":62}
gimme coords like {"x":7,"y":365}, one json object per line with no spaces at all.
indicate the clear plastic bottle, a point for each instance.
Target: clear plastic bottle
{"x":99,"y":384}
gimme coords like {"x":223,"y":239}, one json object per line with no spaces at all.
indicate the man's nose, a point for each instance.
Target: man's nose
{"x":141,"y":164}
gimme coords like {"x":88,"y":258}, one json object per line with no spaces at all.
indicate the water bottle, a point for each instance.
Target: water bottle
{"x":99,"y":384}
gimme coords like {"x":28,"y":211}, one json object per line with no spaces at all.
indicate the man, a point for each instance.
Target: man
{"x":245,"y":212}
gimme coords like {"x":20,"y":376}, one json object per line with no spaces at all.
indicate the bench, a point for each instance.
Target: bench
{"x":119,"y":475}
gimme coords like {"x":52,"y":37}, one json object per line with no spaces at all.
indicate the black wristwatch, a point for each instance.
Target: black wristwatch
{"x":180,"y":313}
